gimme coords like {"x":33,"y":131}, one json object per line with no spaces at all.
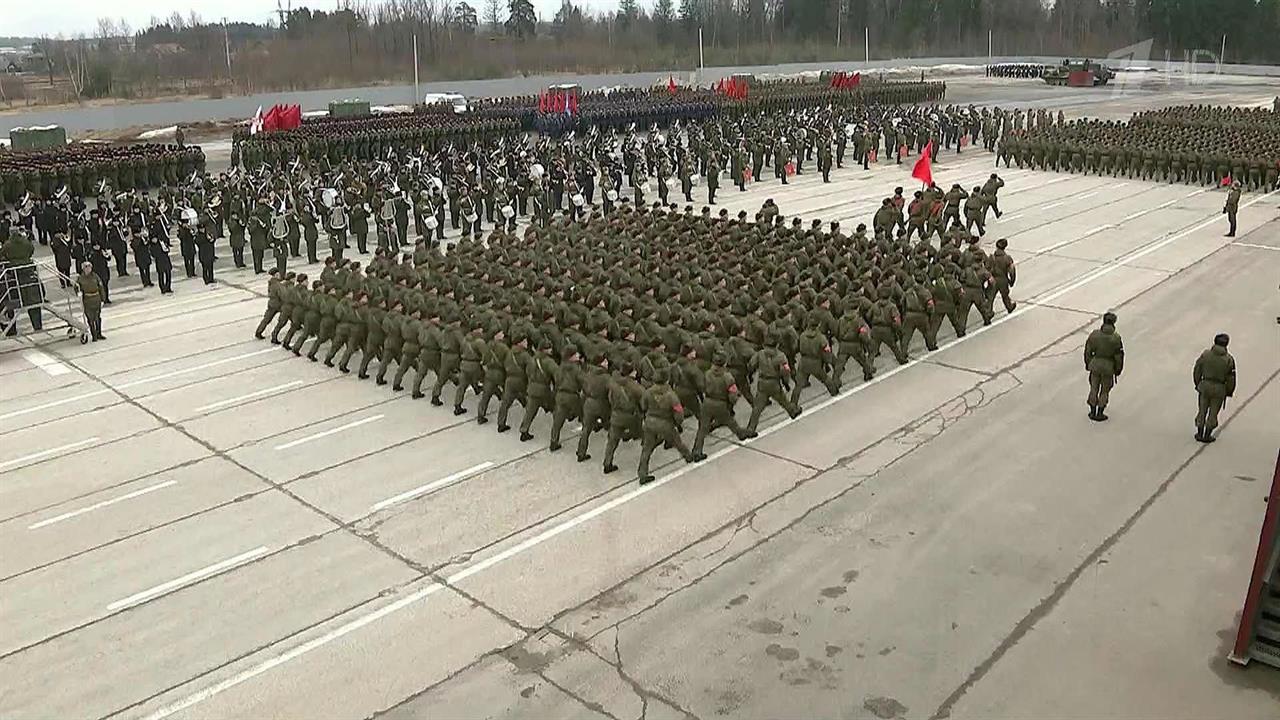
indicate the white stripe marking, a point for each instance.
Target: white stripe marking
{"x":99,"y":506}
{"x":46,"y":453}
{"x":1099,"y":229}
{"x":1086,"y":196}
{"x":249,"y":396}
{"x":1260,"y":247}
{"x":204,"y":572}
{"x":432,"y":486}
{"x":1138,"y":214}
{"x":266,"y":665}
{"x":1051,"y":206}
{"x":135,"y":383}
{"x":46,"y":363}
{"x":327,"y":433}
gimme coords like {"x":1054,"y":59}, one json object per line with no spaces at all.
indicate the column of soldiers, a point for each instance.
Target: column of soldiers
{"x":83,"y":169}
{"x":636,"y":322}
{"x":1016,"y":70}
{"x":1195,"y":145}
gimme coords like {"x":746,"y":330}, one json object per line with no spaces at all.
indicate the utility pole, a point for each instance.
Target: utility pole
{"x":1223,"y":53}
{"x":226,"y":44}
{"x":701,"y":65}
{"x":415,"y":69}
{"x":866,"y":40}
{"x":990,"y":46}
{"x":839,"y":19}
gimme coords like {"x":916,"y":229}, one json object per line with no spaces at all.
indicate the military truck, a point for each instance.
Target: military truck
{"x":1083,"y":73}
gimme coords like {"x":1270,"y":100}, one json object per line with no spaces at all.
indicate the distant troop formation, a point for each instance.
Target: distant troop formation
{"x":382,"y":137}
{"x":1016,"y":70}
{"x":28,"y":175}
{"x":636,"y":322}
{"x":1197,"y":145}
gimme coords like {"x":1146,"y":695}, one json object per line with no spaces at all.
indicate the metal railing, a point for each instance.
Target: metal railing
{"x":35,"y":298}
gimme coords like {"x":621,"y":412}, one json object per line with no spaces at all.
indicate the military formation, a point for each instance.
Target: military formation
{"x":79,"y":170}
{"x":639,"y":320}
{"x":1196,"y":145}
{"x":1016,"y":70}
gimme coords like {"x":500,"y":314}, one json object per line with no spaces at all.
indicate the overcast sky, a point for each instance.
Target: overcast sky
{"x":29,"y":18}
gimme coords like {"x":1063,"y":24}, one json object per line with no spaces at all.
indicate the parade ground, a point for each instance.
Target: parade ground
{"x":197,"y":524}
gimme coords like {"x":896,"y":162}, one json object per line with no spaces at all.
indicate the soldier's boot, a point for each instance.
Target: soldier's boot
{"x":262,"y":326}
{"x":367,"y":357}
{"x":611,"y":447}
{"x":275,"y":332}
{"x":648,"y":442}
{"x":831,"y":382}
{"x":530,"y":412}
{"x":315,"y":348}
{"x":441,"y":377}
{"x":757,"y":408}
{"x":584,"y":439}
{"x":459,"y":394}
{"x":482,"y":405}
{"x":334,"y":347}
{"x":558,"y":418}
{"x":419,"y":376}
{"x":383,"y":366}
{"x":344,"y":364}
{"x":792,"y":407}
{"x":930,"y":336}
{"x":504,"y":408}
{"x":402,"y":366}
{"x":802,"y":382}
{"x":868,"y":367}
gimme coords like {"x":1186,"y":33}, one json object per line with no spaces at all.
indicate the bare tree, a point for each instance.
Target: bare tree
{"x":493,"y":14}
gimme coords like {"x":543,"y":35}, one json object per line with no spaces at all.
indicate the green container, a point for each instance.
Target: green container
{"x":37,"y":138}
{"x":348,"y":108}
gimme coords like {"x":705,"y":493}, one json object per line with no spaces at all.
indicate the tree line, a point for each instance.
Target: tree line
{"x":373,"y":41}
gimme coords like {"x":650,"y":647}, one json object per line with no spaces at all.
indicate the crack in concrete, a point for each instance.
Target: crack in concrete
{"x":1063,"y":586}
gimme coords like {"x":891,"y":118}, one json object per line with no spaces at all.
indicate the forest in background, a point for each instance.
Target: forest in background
{"x":372,"y":42}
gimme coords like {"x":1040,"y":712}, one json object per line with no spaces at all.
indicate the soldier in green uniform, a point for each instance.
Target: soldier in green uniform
{"x":662,"y":415}
{"x":1104,"y":360}
{"x":1214,"y":376}
{"x":773,"y":375}
{"x":721,"y":393}
{"x":540,"y":371}
{"x":568,"y":399}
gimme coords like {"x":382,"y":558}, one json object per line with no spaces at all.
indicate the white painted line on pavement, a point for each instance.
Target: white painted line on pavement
{"x":1086,"y":196}
{"x":249,"y":396}
{"x":432,"y":486}
{"x":327,"y":433}
{"x":1260,"y":247}
{"x":1138,"y":214}
{"x":135,"y":383}
{"x":204,"y":572}
{"x":99,"y":506}
{"x":1051,"y":206}
{"x":46,"y":363}
{"x":1098,"y":229}
{"x":322,"y":640}
{"x":46,"y":453}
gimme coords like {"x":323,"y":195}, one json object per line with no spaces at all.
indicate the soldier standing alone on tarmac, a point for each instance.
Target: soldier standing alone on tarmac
{"x":1231,"y":207}
{"x":1215,"y":381}
{"x":1104,"y":359}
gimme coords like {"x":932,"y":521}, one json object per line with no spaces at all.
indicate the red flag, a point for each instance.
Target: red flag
{"x":542,"y":102}
{"x":573,"y":103}
{"x":720,"y":86}
{"x":671,"y":84}
{"x":855,"y":80}
{"x":923,"y":171}
{"x":1226,"y":180}
{"x":271,"y":121}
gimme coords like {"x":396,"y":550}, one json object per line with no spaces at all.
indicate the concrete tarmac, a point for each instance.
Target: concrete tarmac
{"x":198,"y":524}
